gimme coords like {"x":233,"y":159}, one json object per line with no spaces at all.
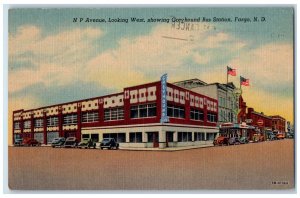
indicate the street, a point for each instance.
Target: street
{"x":265,"y":165}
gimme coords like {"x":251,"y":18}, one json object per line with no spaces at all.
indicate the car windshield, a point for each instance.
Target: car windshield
{"x":70,"y":139}
{"x":106,"y":140}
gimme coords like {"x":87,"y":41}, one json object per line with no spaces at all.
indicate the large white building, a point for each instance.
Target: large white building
{"x":225,"y":94}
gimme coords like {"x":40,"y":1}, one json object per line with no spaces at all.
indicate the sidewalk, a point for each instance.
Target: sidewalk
{"x":167,"y":149}
{"x":152,"y":149}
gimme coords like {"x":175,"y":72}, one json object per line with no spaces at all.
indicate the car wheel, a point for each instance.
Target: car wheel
{"x":101,"y":148}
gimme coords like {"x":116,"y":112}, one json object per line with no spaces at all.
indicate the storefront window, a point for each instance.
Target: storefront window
{"x":95,"y":137}
{"x":119,"y":137}
{"x":135,"y":137}
{"x":184,"y":136}
{"x":199,"y":136}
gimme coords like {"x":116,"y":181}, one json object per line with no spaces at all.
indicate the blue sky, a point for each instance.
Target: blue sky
{"x":53,"y":60}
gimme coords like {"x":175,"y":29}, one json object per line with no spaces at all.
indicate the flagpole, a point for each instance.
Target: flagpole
{"x":240,"y":84}
{"x":226,"y":105}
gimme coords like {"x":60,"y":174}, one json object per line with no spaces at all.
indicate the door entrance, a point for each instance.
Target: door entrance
{"x":169,"y":138}
{"x":153,"y":137}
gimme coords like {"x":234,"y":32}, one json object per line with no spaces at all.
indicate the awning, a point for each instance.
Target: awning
{"x":236,"y":126}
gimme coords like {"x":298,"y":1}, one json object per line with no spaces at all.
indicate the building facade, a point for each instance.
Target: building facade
{"x":278,"y":124}
{"x":132,"y":117}
{"x":259,"y":120}
{"x":224,"y":93}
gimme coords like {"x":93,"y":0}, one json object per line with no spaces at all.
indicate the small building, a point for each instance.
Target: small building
{"x":132,"y":117}
{"x":278,"y":124}
{"x":261,"y":122}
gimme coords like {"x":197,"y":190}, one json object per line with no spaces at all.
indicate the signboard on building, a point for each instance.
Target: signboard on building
{"x":164,"y":104}
{"x":260,"y":122}
{"x":248,"y":121}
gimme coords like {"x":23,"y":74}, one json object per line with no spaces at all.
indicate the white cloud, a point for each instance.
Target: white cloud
{"x":270,"y":64}
{"x":163,"y":50}
{"x":55,"y":58}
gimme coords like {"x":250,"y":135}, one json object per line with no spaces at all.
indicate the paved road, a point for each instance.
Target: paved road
{"x":251,"y":166}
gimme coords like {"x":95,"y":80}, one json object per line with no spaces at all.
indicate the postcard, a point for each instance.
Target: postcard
{"x":151,"y":98}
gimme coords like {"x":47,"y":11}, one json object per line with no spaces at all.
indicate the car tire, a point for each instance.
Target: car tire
{"x":101,"y":148}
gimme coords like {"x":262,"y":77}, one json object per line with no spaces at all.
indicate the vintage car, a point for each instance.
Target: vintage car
{"x":271,"y":136}
{"x":258,"y":137}
{"x":87,"y":143}
{"x":71,"y":142}
{"x":221,"y":140}
{"x":30,"y":142}
{"x":243,"y":140}
{"x":289,"y":135}
{"x":280,"y":136}
{"x":58,"y":142}
{"x":18,"y":142}
{"x":233,"y":141}
{"x":109,"y":143}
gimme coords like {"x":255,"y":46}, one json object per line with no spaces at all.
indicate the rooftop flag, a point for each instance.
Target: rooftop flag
{"x":244,"y":81}
{"x":231,"y":71}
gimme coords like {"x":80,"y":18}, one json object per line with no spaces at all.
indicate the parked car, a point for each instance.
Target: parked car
{"x":30,"y":142}
{"x":87,"y":143}
{"x":109,"y":143}
{"x":58,"y":142}
{"x":221,"y":140}
{"x":243,"y":140}
{"x":280,"y":136}
{"x":71,"y":142}
{"x":18,"y":142}
{"x":233,"y":141}
{"x":271,"y":136}
{"x":258,"y":138}
{"x":289,"y":135}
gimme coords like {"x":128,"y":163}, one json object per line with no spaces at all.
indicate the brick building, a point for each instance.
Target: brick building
{"x":278,"y":124}
{"x":132,"y":117}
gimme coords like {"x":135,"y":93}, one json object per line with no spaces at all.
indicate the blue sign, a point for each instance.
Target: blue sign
{"x":164,"y":104}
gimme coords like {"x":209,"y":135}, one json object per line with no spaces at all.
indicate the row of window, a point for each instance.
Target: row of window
{"x":136,"y":137}
{"x":138,"y":111}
